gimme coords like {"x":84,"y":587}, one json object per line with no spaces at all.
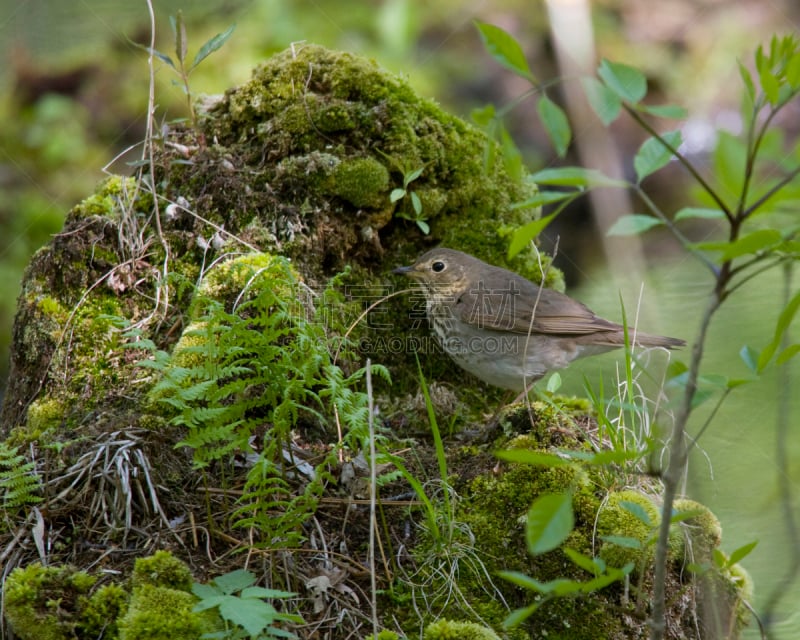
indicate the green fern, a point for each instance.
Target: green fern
{"x":19,"y":482}
{"x":260,"y":368}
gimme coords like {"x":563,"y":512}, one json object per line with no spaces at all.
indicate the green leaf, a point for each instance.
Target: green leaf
{"x":412,"y":175}
{"x":525,"y":581}
{"x":483,"y":116}
{"x":747,"y":244}
{"x":623,"y":541}
{"x":671,"y":111}
{"x":793,"y":71}
{"x":787,"y":354}
{"x":554,"y":382}
{"x":234,"y":581}
{"x":584,"y":562}
{"x":653,"y":155}
{"x":397,"y":194}
{"x":748,"y":81}
{"x":550,"y":521}
{"x":728,"y":159}
{"x":575,"y":177}
{"x":518,"y":616}
{"x":504,"y":48}
{"x":604,"y":102}
{"x":512,"y":157}
{"x":252,"y":615}
{"x":628,"y":83}
{"x":416,"y":203}
{"x":784,"y":320}
{"x":529,"y":456}
{"x":750,"y":358}
{"x":544,"y":197}
{"x":742,"y":552}
{"x":555,"y":124}
{"x":155,"y":52}
{"x":769,"y":84}
{"x":700,"y":212}
{"x":680,"y":516}
{"x":633,"y":224}
{"x":179,"y":31}
{"x":212,"y":45}
{"x":637,"y":510}
{"x":607,"y":456}
{"x":527,"y":232}
{"x":603,"y":581}
{"x":424,"y":227}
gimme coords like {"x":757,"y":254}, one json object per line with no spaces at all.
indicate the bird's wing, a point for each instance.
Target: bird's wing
{"x":519,"y":306}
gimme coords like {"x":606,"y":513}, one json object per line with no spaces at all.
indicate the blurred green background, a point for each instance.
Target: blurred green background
{"x":73,"y":96}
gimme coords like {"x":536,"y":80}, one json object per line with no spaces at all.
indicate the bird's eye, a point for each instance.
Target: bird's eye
{"x":438,"y":266}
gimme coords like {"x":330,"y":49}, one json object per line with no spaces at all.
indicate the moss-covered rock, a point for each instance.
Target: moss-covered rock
{"x":286,"y":184}
{"x":46,"y":603}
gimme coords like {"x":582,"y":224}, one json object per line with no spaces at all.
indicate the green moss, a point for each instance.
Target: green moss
{"x":363,"y":182}
{"x":699,"y":535}
{"x":108,"y":199}
{"x":632,"y":516}
{"x":161,"y":613}
{"x":228,"y":280}
{"x":44,"y":415}
{"x":44,"y":603}
{"x":384,"y":634}
{"x":102,"y":611}
{"x":162,"y":569}
{"x":453,"y":630}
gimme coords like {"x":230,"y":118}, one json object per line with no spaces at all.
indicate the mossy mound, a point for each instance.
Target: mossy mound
{"x":286,"y":185}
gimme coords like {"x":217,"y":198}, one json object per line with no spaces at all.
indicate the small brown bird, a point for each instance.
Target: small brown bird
{"x":506,"y":330}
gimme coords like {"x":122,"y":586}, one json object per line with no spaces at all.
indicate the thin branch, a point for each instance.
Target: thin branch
{"x":780,"y":185}
{"x":745,"y":279}
{"x":677,"y":460}
{"x":681,"y":158}
{"x":685,"y":242}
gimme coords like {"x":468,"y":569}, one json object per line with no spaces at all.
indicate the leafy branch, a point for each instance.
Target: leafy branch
{"x":747,"y":250}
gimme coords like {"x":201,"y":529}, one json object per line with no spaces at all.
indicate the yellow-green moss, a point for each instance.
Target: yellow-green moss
{"x":162,"y":569}
{"x":703,"y":531}
{"x":384,"y":634}
{"x":44,"y":603}
{"x":227,"y":280}
{"x":363,"y":182}
{"x":454,"y":630}
{"x":44,"y":415}
{"x":111,"y":194}
{"x":619,"y":516}
{"x":161,"y":613}
{"x":101,"y":612}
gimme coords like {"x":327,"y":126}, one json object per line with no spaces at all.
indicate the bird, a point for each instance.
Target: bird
{"x":506,"y":330}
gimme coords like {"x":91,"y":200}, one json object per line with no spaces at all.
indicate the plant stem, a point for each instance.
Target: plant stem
{"x":677,"y":461}
{"x":680,"y":158}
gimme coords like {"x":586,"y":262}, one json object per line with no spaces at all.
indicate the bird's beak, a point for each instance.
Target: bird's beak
{"x":405,"y":271}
